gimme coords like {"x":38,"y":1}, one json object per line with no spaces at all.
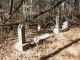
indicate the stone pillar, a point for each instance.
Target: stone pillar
{"x":21,"y":38}
{"x":39,"y":27}
{"x":56,"y":29}
{"x":65,"y":25}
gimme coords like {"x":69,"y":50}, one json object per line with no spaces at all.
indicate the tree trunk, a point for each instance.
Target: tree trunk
{"x":11,"y":6}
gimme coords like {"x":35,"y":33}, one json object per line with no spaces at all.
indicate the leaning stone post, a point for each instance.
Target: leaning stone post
{"x":21,"y":37}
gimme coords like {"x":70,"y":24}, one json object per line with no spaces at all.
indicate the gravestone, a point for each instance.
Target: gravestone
{"x":56,"y":28}
{"x":21,"y":38}
{"x":39,"y":27}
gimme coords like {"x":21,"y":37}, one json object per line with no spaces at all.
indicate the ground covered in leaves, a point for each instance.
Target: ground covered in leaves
{"x":63,"y":46}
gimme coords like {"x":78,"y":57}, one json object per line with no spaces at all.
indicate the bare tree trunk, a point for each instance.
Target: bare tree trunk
{"x":76,"y":6}
{"x":11,"y":6}
{"x":1,"y":3}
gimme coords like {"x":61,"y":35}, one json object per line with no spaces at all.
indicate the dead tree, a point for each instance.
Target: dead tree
{"x":11,"y":6}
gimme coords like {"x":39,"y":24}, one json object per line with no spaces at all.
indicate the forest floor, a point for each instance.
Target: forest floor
{"x":63,"y":46}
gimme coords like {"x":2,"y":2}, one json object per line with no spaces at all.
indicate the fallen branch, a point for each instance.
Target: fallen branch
{"x":9,"y":24}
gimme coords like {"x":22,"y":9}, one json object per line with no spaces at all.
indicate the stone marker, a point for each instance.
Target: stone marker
{"x":21,"y":38}
{"x":42,"y":37}
{"x":56,"y":28}
{"x":65,"y":25}
{"x":39,"y":27}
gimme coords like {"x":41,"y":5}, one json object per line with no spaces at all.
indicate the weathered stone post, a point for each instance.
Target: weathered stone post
{"x":21,"y":38}
{"x":39,"y":27}
{"x":65,"y":25}
{"x":56,"y":29}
